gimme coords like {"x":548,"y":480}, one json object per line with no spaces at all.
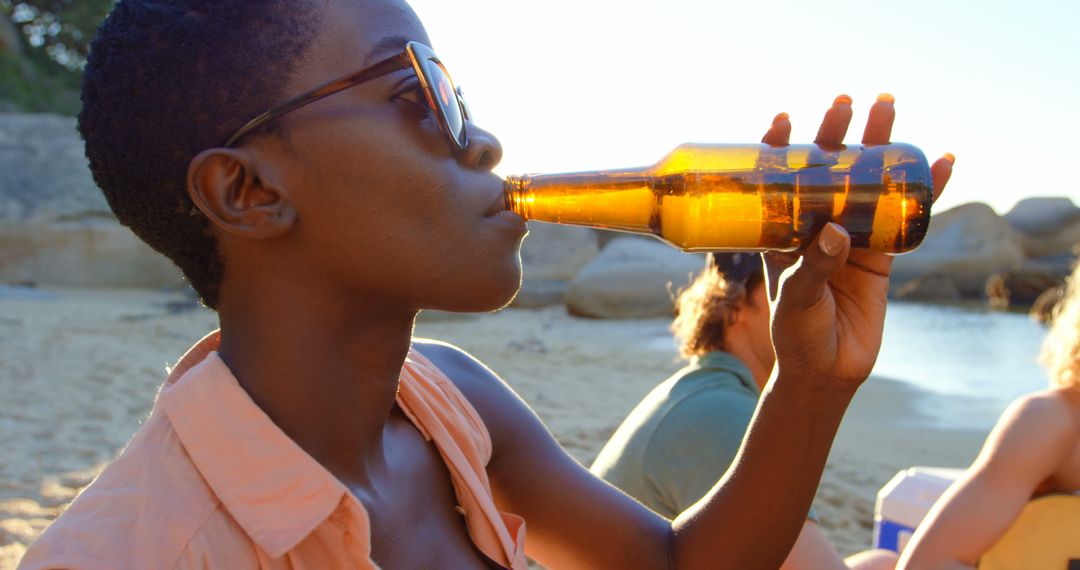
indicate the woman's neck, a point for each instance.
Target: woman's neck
{"x":326,"y":375}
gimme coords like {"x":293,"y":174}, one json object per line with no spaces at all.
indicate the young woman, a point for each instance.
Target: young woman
{"x":1034,"y":450}
{"x":310,"y":168}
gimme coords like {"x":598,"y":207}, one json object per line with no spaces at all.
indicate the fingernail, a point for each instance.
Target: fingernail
{"x":842,"y":100}
{"x":780,"y":117}
{"x":887,"y":98}
{"x":831,"y":240}
{"x":950,"y":157}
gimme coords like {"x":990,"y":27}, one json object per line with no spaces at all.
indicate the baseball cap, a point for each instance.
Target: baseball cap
{"x":735,"y":266}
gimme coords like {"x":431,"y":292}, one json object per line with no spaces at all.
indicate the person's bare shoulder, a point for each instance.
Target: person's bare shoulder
{"x":480,"y":386}
{"x":1055,"y":412}
{"x":1035,"y":437}
{"x":1070,"y":398}
{"x":462,"y":368}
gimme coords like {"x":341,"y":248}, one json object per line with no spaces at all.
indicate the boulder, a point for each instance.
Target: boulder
{"x":538,"y":293}
{"x":551,"y":256}
{"x":1047,"y":226}
{"x":553,"y":251}
{"x":1060,"y":265}
{"x":631,"y":278}
{"x":607,"y":236}
{"x":933,"y":287}
{"x":1020,"y":287}
{"x":55,"y":225}
{"x":82,"y":253}
{"x":968,"y":243}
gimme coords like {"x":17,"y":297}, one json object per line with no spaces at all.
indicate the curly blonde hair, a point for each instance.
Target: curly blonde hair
{"x":1061,"y":349}
{"x":703,"y":311}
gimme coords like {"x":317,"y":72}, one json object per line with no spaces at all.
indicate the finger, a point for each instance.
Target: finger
{"x":940,"y":172}
{"x":780,"y":132}
{"x":835,"y":124}
{"x":775,"y":264}
{"x":870,"y":262}
{"x":825,"y":256}
{"x":880,"y":122}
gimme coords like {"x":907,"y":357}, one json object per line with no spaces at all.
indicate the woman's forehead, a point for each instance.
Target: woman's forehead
{"x":355,"y":33}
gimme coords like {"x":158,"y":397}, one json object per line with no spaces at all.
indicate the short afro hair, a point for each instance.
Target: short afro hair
{"x":167,"y":79}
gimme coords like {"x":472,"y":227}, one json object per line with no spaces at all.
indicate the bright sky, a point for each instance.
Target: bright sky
{"x":572,"y":85}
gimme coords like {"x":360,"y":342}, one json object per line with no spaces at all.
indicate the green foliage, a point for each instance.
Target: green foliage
{"x":55,"y":36}
{"x":62,"y":28}
{"x":33,"y":86}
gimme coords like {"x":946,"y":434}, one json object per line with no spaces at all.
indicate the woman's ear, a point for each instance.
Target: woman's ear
{"x":240,"y":194}
{"x":734,"y":316}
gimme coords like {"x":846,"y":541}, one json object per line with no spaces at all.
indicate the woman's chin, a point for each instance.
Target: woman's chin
{"x":481,"y":297}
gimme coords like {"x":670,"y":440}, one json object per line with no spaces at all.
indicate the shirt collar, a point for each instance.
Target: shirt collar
{"x":276,"y":491}
{"x":720,"y":360}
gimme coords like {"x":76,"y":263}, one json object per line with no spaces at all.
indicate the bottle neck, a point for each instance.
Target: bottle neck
{"x":515,"y":189}
{"x":620,"y":200}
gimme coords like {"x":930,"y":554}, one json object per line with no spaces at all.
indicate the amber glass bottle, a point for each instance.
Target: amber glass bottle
{"x":712,"y":197}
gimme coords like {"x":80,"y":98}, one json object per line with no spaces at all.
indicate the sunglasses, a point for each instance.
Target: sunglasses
{"x":446,"y":101}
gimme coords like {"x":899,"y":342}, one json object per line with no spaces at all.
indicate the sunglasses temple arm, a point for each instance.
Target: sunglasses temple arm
{"x":384,"y":67}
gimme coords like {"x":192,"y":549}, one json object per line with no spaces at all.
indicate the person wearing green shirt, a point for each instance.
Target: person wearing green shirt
{"x":671,"y":449}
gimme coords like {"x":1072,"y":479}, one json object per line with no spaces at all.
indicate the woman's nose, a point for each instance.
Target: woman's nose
{"x":484,"y":150}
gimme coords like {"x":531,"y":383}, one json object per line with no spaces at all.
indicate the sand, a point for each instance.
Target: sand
{"x":79,"y":370}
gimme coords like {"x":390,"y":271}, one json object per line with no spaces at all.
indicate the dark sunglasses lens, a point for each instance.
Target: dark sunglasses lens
{"x":446,"y":99}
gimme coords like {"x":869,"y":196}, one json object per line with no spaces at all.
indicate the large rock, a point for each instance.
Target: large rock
{"x":932,"y":287}
{"x":631,"y":278}
{"x":1061,"y":264}
{"x":1020,"y":288}
{"x":55,"y":225}
{"x":551,"y":256}
{"x":1047,"y":226}
{"x":553,"y":251}
{"x":1023,"y":286}
{"x":538,"y":293}
{"x":968,"y":243}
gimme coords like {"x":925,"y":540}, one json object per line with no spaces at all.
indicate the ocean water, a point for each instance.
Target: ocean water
{"x":967,"y":362}
{"x":964,"y":363}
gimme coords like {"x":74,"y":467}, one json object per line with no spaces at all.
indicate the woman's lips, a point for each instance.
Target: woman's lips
{"x":509,"y":219}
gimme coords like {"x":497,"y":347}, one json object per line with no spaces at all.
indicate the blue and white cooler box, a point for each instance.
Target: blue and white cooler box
{"x":904,"y":501}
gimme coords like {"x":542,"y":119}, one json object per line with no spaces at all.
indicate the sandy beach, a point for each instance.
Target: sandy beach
{"x":79,"y":370}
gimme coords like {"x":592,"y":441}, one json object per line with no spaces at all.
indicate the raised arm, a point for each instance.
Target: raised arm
{"x":827,"y":323}
{"x":1024,"y":450}
{"x":576,"y":520}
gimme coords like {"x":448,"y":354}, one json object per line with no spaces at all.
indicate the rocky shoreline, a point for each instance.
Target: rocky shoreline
{"x":56,"y":230}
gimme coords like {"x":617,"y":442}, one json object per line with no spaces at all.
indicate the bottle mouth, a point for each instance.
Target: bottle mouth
{"x":514,"y":190}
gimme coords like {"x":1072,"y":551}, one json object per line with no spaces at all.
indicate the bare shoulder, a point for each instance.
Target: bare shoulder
{"x":512,"y":425}
{"x":1035,"y":435}
{"x":484,"y":389}
{"x":1054,"y":412}
{"x":1070,"y":398}
{"x":463,"y":369}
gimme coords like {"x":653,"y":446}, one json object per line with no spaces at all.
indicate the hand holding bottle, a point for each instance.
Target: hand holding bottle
{"x":828,"y":317}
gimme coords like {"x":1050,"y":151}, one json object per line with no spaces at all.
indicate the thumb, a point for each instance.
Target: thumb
{"x":826,"y":255}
